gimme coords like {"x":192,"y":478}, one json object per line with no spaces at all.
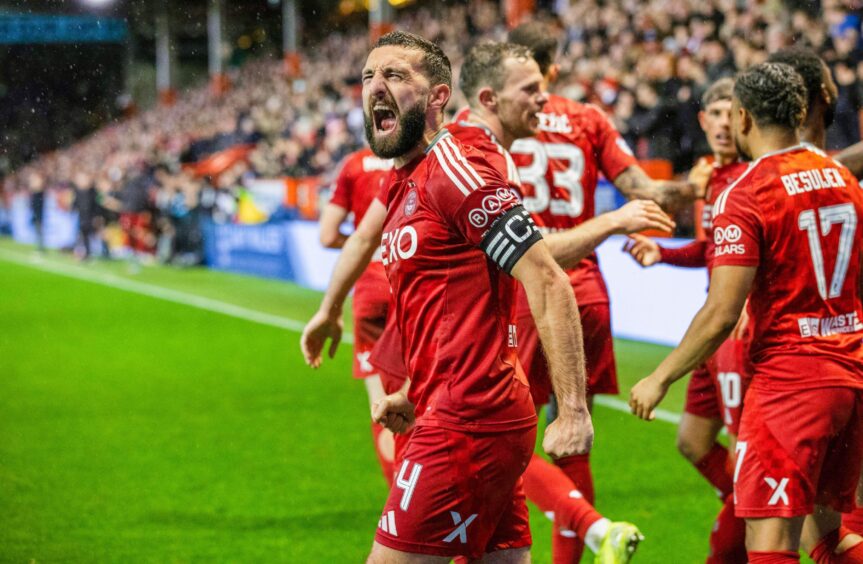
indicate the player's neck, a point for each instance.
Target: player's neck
{"x":773,"y":139}
{"x":814,"y":132}
{"x":419,"y":149}
{"x":722,"y":159}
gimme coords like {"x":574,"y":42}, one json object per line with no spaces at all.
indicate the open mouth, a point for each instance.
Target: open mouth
{"x":385,"y":119}
{"x":723,"y":138}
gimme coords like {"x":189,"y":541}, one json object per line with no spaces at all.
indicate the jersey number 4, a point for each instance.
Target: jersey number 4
{"x":568,"y":180}
{"x":844,"y":215}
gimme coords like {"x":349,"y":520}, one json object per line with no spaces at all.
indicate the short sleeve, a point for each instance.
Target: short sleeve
{"x":737,"y":228}
{"x":478,"y":203}
{"x":342,"y":194}
{"x":615,"y":156}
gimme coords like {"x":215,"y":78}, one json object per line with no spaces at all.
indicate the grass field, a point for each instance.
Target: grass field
{"x":134,"y":428}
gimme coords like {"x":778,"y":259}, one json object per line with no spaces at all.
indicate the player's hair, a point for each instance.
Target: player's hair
{"x":807,"y":64}
{"x":435,"y":62}
{"x":540,"y":38}
{"x":773,"y":93}
{"x":722,"y":89}
{"x":484,"y":66}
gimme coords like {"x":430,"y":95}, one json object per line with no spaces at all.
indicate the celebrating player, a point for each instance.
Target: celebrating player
{"x":359,"y":181}
{"x":716,"y":389}
{"x":559,"y":169}
{"x":453,"y":233}
{"x":790,"y":234}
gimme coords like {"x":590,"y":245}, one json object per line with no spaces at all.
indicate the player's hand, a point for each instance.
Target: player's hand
{"x":320,"y":328}
{"x":645,"y":396}
{"x":699,"y":176}
{"x":567,"y":435}
{"x":643,"y":249}
{"x":395,"y":412}
{"x":640,"y":215}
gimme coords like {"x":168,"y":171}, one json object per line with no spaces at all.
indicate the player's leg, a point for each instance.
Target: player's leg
{"x":509,"y":556}
{"x":381,"y":554}
{"x":827,"y":542}
{"x":773,"y":539}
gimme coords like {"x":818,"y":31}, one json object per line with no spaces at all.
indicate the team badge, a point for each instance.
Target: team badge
{"x":411,"y":203}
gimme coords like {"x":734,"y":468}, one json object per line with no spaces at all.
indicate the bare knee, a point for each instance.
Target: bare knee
{"x":773,"y":533}
{"x":509,"y":556}
{"x":696,"y":436}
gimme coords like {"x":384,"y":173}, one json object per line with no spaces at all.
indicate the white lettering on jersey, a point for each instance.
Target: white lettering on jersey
{"x":778,"y":488}
{"x":827,"y":326}
{"x":461,"y":529}
{"x":363,"y":359}
{"x":513,"y":336}
{"x":814,"y":179}
{"x":372,"y":163}
{"x":554,"y":123}
{"x":738,"y":249}
{"x":398,"y":244}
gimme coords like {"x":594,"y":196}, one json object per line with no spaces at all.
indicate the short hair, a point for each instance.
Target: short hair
{"x":773,"y":93}
{"x":435,"y":63}
{"x":541,"y":39}
{"x":484,"y":66}
{"x":722,"y":89}
{"x":807,"y":64}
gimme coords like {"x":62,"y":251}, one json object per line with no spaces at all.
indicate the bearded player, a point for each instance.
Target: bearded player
{"x":360,"y":179}
{"x":559,"y":169}
{"x":449,"y":269}
{"x":792,"y":237}
{"x":714,"y":395}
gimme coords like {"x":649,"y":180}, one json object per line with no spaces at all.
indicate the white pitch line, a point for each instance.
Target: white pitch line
{"x":216,"y":306}
{"x":159,"y":292}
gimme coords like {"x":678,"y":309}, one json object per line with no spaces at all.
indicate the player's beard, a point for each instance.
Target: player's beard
{"x":411,"y":127}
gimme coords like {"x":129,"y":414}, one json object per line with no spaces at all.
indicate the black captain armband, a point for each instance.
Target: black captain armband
{"x":509,"y":237}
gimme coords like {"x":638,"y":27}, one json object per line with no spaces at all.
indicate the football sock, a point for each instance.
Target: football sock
{"x":577,"y":467}
{"x":566,"y":547}
{"x":854,"y":520}
{"x":823,"y":551}
{"x":384,"y":450}
{"x":714,"y":467}
{"x":595,"y":534}
{"x":554,"y":493}
{"x":728,"y":538}
{"x":773,"y":557}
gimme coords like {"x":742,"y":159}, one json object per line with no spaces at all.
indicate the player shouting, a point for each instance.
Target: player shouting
{"x":791,"y":235}
{"x":452,"y":235}
{"x":714,"y":395}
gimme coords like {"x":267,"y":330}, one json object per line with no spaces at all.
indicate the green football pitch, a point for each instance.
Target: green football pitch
{"x":166,"y":415}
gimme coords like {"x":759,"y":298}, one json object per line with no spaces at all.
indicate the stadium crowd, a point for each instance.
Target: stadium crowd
{"x":646,"y":63}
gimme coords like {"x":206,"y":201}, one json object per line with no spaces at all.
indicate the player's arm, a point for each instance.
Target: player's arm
{"x":555,"y":313}
{"x":571,"y":246}
{"x":852,"y":157}
{"x":729,"y":288}
{"x":353,"y":260}
{"x":331,"y":219}
{"x":670,"y":194}
{"x":648,"y":252}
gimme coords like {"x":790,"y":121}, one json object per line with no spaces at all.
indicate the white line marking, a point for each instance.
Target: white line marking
{"x":159,"y":292}
{"x":216,"y":306}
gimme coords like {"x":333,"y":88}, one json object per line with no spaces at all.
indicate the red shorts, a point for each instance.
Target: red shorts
{"x":797,"y":449}
{"x":459,"y":494}
{"x":367,"y":330}
{"x":598,"y":351}
{"x":717,"y":388}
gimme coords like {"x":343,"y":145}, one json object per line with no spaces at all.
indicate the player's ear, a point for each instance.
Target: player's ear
{"x":487,"y":98}
{"x":553,"y":73}
{"x":701,"y":119}
{"x":745,"y":121}
{"x":439,"y":95}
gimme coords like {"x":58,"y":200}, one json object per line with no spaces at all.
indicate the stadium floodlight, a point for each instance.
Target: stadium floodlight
{"x":98,"y":3}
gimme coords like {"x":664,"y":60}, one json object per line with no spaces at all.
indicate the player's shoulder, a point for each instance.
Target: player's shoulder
{"x":472,"y":135}
{"x":451,"y":162}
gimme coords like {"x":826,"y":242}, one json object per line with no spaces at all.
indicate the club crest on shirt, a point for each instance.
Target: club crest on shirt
{"x":411,"y":203}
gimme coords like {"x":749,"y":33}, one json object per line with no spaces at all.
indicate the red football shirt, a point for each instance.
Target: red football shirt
{"x":559,"y":170}
{"x":362,"y":176}
{"x":795,"y":215}
{"x":453,"y":229}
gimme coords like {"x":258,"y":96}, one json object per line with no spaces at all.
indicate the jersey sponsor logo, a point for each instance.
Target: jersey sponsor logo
{"x":387,"y":523}
{"x":730,"y":234}
{"x":411,"y":203}
{"x":779,"y":493}
{"x":554,"y":123}
{"x":460,"y":532}
{"x":828,"y":326}
{"x":478,"y":218}
{"x":491,"y":204}
{"x":505,"y":194}
{"x":814,"y":179}
{"x":736,"y":249}
{"x":399,"y":244}
{"x":371,"y":164}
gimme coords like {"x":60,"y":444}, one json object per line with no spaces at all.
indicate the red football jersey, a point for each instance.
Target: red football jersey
{"x":559,"y":170}
{"x":481,"y":137}
{"x":362,"y":176}
{"x":453,"y":231}
{"x":795,"y":215}
{"x":721,"y":178}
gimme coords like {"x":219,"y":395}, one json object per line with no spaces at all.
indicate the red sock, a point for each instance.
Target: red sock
{"x":728,"y":538}
{"x":385,"y":458}
{"x":577,"y":467}
{"x":566,"y":548}
{"x":854,"y":520}
{"x":823,"y":551}
{"x":715,"y":468}
{"x":553,"y":492}
{"x":773,"y":557}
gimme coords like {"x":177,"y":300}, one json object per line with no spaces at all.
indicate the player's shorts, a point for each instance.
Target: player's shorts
{"x":716,"y":388}
{"x":797,"y":449}
{"x":459,"y":494}
{"x":367,"y":330}
{"x":598,"y":352}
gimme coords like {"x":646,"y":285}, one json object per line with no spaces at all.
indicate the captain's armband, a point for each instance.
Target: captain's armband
{"x":509,"y":238}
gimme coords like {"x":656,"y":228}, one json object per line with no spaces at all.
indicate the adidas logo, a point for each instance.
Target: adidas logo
{"x":387,"y":523}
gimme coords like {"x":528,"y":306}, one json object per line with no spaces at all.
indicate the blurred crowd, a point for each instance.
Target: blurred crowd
{"x":646,"y":62}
